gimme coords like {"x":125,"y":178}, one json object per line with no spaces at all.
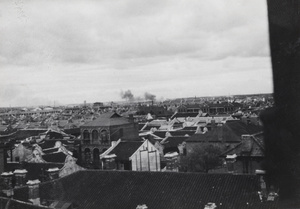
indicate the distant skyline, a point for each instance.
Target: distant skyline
{"x":75,"y":51}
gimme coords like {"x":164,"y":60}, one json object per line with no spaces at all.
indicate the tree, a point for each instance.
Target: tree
{"x":204,"y":157}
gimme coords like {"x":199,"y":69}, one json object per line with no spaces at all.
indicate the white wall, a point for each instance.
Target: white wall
{"x":146,"y":158}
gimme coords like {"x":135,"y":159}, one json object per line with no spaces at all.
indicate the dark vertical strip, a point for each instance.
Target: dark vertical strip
{"x":281,"y":123}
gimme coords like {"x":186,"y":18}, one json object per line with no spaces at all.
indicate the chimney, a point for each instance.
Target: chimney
{"x":53,"y":173}
{"x":20,"y":175}
{"x":34,"y":191}
{"x":263,"y":186}
{"x":213,"y":123}
{"x":8,"y":187}
{"x":109,"y":162}
{"x":246,"y":144}
{"x":171,"y":161}
{"x":220,"y":131}
{"x":210,"y":205}
{"x":144,"y":206}
{"x":131,"y":119}
{"x":230,"y":160}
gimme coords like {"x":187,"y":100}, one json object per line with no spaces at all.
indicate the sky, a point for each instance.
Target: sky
{"x":67,"y":52}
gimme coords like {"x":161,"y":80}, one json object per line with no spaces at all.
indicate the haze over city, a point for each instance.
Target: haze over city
{"x":70,"y":52}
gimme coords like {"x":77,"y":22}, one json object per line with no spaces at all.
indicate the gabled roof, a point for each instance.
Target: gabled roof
{"x":107,"y":119}
{"x":127,"y":189}
{"x":125,"y":149}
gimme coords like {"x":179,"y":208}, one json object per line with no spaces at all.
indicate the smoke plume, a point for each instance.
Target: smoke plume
{"x":127,"y":95}
{"x":149,"y":96}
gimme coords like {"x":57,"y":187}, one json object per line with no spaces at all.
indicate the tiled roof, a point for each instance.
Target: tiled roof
{"x":149,"y":127}
{"x":190,"y":128}
{"x":184,"y":115}
{"x":125,"y":190}
{"x":141,"y":125}
{"x":35,"y":170}
{"x":182,"y":133}
{"x":157,"y":122}
{"x":73,"y":131}
{"x":58,"y":157}
{"x":14,"y":204}
{"x":46,"y":144}
{"x":240,"y":128}
{"x":25,"y":133}
{"x":162,"y":134}
{"x":125,"y":149}
{"x":107,"y":119}
{"x":173,"y":141}
{"x":192,"y":106}
{"x":254,"y":149}
{"x":229,"y":132}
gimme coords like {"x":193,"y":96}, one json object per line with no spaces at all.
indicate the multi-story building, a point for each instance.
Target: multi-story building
{"x":98,"y":135}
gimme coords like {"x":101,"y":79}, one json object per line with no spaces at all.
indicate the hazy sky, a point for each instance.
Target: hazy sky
{"x":71,"y":51}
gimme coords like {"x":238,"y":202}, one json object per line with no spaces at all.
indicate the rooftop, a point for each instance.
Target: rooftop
{"x":127,"y":189}
{"x":107,"y":119}
{"x":231,"y":131}
{"x":125,"y":149}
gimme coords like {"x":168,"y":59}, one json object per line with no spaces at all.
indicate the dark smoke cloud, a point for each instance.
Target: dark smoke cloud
{"x":130,"y":97}
{"x":127,"y":95}
{"x":149,"y":96}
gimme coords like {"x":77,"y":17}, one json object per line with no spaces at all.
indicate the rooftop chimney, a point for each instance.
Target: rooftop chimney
{"x":34,"y":191}
{"x":144,"y":206}
{"x":171,"y":160}
{"x":53,"y":173}
{"x":220,"y":131}
{"x":7,"y":177}
{"x":210,"y":205}
{"x":246,"y":143}
{"x":109,"y":162}
{"x":213,"y":123}
{"x":263,"y":187}
{"x":230,"y":160}
{"x":131,"y":119}
{"x":20,"y":175}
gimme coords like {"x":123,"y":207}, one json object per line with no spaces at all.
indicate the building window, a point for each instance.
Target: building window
{"x":86,"y":135}
{"x":104,"y":137}
{"x":95,"y":136}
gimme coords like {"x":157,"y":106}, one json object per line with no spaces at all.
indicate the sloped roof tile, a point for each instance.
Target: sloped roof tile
{"x":125,"y":149}
{"x":126,"y":190}
{"x":228,"y":132}
{"x":107,"y":119}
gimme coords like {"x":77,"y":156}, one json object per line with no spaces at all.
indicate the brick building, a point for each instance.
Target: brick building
{"x":98,"y":135}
